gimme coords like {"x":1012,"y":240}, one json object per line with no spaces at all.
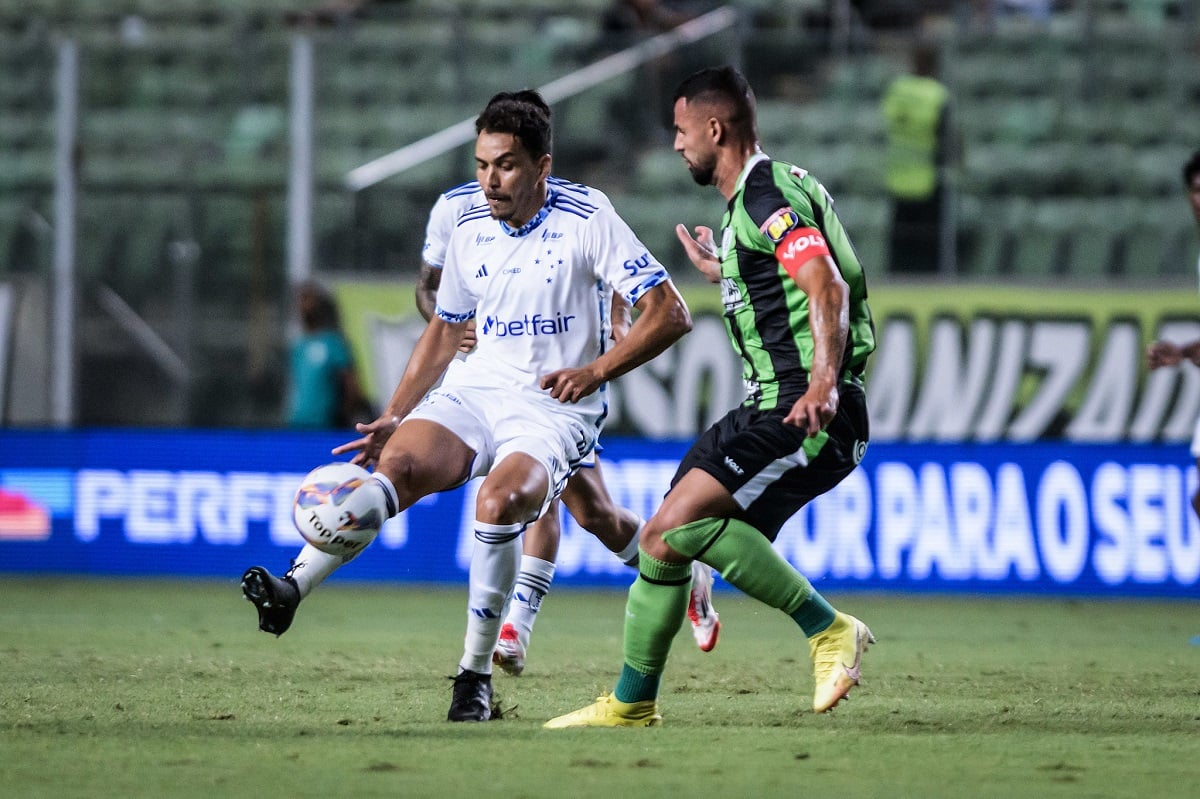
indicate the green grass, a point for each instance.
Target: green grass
{"x":160,"y":688}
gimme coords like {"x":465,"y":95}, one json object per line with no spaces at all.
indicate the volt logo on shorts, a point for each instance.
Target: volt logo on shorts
{"x":535,"y":325}
{"x":733,"y":466}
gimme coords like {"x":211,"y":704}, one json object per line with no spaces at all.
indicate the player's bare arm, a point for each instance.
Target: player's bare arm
{"x":829,"y":319}
{"x":622,"y":318}
{"x":701,"y":251}
{"x":427,"y":286}
{"x":430,"y":357}
{"x":663,"y":319}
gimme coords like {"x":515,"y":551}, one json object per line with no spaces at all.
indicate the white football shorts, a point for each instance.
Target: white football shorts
{"x":496,"y":423}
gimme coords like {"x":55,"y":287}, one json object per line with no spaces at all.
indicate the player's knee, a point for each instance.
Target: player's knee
{"x":501,"y":504}
{"x":652,"y":543}
{"x":401,"y":468}
{"x":668,"y":517}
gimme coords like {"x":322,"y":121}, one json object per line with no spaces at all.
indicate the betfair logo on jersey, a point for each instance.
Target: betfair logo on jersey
{"x":536,"y":325}
{"x":779,"y":224}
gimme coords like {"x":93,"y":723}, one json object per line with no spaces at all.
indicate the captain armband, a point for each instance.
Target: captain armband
{"x":799,"y":246}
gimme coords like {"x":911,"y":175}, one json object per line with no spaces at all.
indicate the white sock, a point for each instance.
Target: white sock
{"x":311,"y":567}
{"x":494,"y":562}
{"x":629,"y":554}
{"x":391,"y":502}
{"x":533,"y":583}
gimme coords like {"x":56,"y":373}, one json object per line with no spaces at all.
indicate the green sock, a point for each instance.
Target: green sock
{"x":747,"y":561}
{"x":633,"y":686}
{"x":653,"y":615}
{"x":814,"y":614}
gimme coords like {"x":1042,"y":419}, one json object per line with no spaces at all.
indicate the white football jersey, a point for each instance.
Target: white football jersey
{"x":455,"y":202}
{"x":540,"y":294}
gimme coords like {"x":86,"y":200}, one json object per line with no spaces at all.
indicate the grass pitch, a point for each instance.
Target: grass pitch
{"x":166,"y":689}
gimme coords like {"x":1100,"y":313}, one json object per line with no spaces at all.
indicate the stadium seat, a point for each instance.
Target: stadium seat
{"x":1095,"y":228}
{"x":653,"y":219}
{"x":867,"y":218}
{"x":1147,"y":240}
{"x":985,"y":251}
{"x":1037,"y":232}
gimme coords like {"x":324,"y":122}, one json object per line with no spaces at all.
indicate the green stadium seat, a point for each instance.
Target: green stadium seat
{"x":653,"y":219}
{"x":986,"y":232}
{"x":1094,"y":229}
{"x":661,"y":171}
{"x":1036,"y":231}
{"x":1147,"y":239}
{"x":868,"y":220}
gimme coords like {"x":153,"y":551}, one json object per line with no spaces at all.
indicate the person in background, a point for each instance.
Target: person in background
{"x":1166,"y":353}
{"x":323,"y":389}
{"x":920,"y":145}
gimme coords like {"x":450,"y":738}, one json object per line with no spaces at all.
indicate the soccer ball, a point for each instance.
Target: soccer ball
{"x":332,"y":514}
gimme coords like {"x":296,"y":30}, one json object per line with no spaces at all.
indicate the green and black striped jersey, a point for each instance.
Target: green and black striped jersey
{"x":780,"y":216}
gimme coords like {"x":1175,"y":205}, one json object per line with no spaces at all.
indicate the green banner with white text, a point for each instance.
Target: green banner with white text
{"x":954,"y":363}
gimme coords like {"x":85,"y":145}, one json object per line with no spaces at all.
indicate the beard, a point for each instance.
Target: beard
{"x":702,"y":173}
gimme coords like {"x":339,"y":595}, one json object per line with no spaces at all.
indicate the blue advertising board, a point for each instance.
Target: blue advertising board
{"x":1056,"y":518}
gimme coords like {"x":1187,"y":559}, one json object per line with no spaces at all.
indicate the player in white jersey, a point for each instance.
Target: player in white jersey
{"x":525,"y":407}
{"x":586,"y":495}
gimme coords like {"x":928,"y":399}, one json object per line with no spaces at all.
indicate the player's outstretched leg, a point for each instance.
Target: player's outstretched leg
{"x":706,"y":622}
{"x":275,"y":598}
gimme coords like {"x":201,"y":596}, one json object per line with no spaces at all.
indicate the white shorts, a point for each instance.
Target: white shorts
{"x":1196,"y":441}
{"x":495,"y":424}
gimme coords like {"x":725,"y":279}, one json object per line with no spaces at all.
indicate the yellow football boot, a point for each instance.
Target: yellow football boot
{"x":837,"y":657}
{"x":609,"y":712}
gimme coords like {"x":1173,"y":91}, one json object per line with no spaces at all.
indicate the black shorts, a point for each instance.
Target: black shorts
{"x":763,"y":463}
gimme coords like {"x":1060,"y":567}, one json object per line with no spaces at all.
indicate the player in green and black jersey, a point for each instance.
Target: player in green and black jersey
{"x":796,"y":310}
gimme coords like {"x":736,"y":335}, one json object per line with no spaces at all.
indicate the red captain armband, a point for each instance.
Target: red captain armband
{"x":799,"y":246}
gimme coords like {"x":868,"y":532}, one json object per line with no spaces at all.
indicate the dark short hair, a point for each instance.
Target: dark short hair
{"x":726,"y":86}
{"x":524,"y":114}
{"x":1191,"y":168}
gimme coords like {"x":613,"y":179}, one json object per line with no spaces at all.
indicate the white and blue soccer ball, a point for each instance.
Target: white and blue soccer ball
{"x":332,"y":515}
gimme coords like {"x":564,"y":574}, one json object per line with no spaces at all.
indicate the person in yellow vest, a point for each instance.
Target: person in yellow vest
{"x":916,"y":108}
